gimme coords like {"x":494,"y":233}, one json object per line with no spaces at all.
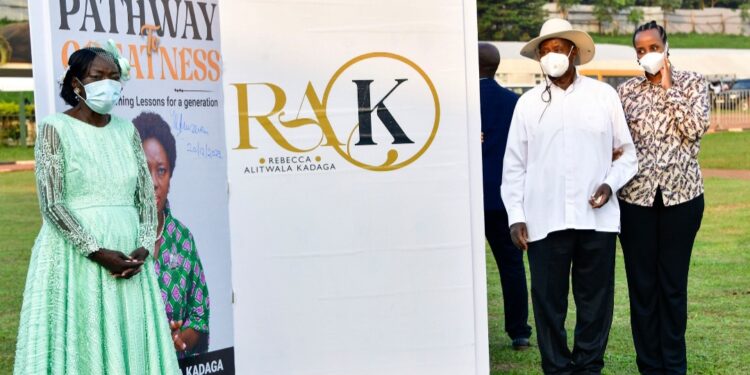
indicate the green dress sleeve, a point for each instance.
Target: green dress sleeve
{"x":145,"y":201}
{"x":50,"y":179}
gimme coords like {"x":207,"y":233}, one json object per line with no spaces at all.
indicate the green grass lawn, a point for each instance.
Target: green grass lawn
{"x":19,"y":224}
{"x":14,"y":153}
{"x":718,"y":333}
{"x":718,"y":329}
{"x":684,"y":40}
{"x":725,"y":151}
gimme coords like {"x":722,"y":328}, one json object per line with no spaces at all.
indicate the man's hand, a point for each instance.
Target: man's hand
{"x":519,"y":235}
{"x":601,"y":196}
{"x":117,"y":263}
{"x":616,"y":153}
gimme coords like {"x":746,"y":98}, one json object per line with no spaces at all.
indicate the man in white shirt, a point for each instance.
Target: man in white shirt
{"x":558,"y":178}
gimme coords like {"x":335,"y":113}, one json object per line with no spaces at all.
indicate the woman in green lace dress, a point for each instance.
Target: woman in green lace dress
{"x":87,"y":307}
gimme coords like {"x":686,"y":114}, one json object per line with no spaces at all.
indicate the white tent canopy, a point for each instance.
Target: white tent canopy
{"x":16,"y":84}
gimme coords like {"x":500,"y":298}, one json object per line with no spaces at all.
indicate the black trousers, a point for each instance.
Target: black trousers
{"x":509,"y":261}
{"x":657,"y":243}
{"x":587,"y":258}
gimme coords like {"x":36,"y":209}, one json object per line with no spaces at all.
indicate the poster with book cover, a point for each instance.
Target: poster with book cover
{"x":174,"y":96}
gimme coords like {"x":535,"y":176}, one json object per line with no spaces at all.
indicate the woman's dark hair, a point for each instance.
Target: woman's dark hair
{"x":151,"y":126}
{"x":651,"y":26}
{"x":78,"y":66}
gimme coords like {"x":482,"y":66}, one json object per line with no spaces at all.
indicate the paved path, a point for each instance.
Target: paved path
{"x":17,"y":166}
{"x":739,"y":174}
{"x":730,"y":122}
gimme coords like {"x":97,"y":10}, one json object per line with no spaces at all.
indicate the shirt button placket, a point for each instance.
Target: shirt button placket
{"x":568,"y":165}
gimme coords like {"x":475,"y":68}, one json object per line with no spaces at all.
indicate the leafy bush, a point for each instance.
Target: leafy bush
{"x":9,"y":124}
{"x":11,"y":109}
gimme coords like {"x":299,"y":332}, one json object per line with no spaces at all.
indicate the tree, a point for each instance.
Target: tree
{"x":635,"y":16}
{"x":605,"y":10}
{"x":668,"y":6}
{"x":731,"y":4}
{"x":745,"y":12}
{"x":5,"y":51}
{"x":509,"y":19}
{"x":565,"y":5}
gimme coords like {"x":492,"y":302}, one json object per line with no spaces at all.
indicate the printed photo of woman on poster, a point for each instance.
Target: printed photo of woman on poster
{"x":177,"y":264}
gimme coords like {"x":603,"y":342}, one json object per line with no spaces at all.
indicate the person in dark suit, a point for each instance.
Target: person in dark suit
{"x":497,"y":104}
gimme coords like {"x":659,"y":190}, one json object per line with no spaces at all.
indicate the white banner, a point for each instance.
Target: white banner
{"x":355,"y":194}
{"x":176,"y":75}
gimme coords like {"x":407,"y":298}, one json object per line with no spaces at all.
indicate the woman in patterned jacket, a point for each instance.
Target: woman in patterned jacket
{"x":177,"y":265}
{"x":662,"y":206}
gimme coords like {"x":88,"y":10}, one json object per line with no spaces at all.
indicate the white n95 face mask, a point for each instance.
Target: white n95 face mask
{"x":652,"y":62}
{"x":555,"y":64}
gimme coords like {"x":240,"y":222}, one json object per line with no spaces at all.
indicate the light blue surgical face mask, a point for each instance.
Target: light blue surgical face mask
{"x":102,"y":95}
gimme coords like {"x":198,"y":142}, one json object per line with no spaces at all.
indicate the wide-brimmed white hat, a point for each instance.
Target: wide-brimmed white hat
{"x":560,"y":28}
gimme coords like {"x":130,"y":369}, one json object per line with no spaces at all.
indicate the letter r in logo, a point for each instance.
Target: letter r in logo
{"x":365,"y":114}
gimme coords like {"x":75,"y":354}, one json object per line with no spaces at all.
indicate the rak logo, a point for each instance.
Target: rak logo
{"x":379,"y":111}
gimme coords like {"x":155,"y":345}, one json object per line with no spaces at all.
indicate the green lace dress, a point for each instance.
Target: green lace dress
{"x":94,"y":191}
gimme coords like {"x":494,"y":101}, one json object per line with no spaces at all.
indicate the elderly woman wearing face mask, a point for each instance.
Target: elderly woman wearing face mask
{"x":88,"y":308}
{"x":662,"y":206}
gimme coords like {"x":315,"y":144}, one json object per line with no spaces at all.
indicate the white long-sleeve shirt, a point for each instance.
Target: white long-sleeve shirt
{"x":557,"y":157}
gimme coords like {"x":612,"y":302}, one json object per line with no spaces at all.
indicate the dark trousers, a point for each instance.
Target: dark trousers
{"x":587,"y":258}
{"x":509,"y":261}
{"x":657,"y":242}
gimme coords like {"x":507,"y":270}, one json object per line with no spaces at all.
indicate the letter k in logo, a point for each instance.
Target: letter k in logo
{"x":365,"y":115}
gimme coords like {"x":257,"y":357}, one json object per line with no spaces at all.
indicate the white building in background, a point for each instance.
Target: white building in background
{"x":701,"y":21}
{"x":14,"y":10}
{"x":616,"y":63}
